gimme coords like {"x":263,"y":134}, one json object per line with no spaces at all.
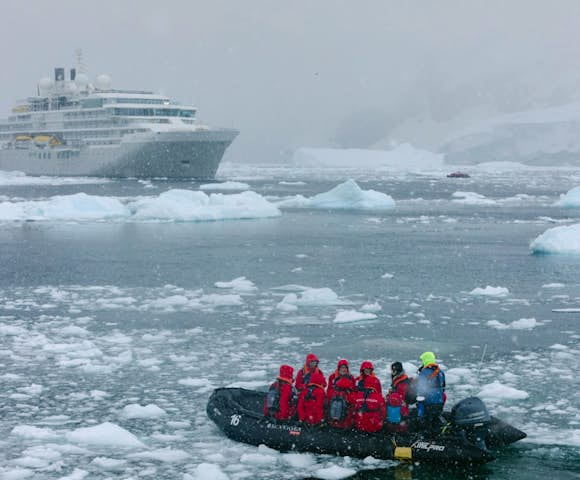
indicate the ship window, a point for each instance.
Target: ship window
{"x":186,"y":113}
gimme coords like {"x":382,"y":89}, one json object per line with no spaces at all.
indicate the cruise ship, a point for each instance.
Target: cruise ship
{"x":75,"y":127}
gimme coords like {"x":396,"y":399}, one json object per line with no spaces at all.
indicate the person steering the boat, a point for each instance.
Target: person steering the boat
{"x":368,"y":401}
{"x":281,"y":399}
{"x":430,"y":385}
{"x":304,"y":374}
{"x":341,"y":385}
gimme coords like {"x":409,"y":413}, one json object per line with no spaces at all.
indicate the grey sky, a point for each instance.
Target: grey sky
{"x":307,"y":73}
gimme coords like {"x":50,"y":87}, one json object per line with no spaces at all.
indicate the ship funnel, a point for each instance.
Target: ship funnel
{"x":73,"y":74}
{"x":59,"y":74}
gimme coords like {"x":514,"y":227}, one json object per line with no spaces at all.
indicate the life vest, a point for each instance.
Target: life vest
{"x":394,"y":408}
{"x":431,"y":384}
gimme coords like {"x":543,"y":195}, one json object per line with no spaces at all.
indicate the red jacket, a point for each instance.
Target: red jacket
{"x":341,"y":386}
{"x":368,"y":402}
{"x":283,"y":383}
{"x":311,"y":400}
{"x":303,"y":378}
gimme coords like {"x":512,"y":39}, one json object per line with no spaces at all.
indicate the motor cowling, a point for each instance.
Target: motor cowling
{"x":472,"y":420}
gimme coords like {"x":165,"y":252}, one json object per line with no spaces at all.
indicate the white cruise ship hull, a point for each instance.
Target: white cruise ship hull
{"x":170,"y":154}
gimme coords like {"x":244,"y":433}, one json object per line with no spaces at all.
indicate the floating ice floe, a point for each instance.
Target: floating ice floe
{"x":472,"y":198}
{"x":565,"y":239}
{"x":334,"y":472}
{"x":490,"y":291}
{"x":162,"y":455}
{"x":207,"y":471}
{"x":521,"y":324}
{"x":173,"y":205}
{"x":497,"y":391}
{"x":345,"y":196}
{"x":240,"y":284}
{"x":311,"y":297}
{"x":106,"y":434}
{"x":350,"y":316}
{"x":224,"y":186}
{"x":403,"y":157}
{"x":138,"y":411}
{"x":570,"y":200}
{"x":16,"y":178}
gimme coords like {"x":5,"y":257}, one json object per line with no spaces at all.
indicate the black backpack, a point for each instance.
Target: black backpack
{"x":273,"y":399}
{"x":337,"y":409}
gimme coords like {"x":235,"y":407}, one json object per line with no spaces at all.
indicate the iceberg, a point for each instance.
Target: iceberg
{"x":565,"y":239}
{"x":490,"y":291}
{"x":173,"y":205}
{"x":570,"y":199}
{"x":346,"y":196}
{"x":403,"y":157}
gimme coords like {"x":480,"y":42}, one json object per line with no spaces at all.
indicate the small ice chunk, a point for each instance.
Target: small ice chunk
{"x":208,"y":471}
{"x":490,"y":291}
{"x":236,"y":186}
{"x":240,"y":284}
{"x":371,"y":307}
{"x":148,"y":411}
{"x":107,"y":434}
{"x":387,"y":275}
{"x":106,"y":463}
{"x":497,"y":391}
{"x":334,"y":472}
{"x":166,"y":455}
{"x":77,"y":474}
{"x":258,"y":459}
{"x":349,"y":316}
{"x":29,"y":431}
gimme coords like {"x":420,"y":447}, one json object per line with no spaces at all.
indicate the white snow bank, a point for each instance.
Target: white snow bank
{"x":138,"y":411}
{"x":345,"y":196}
{"x":349,"y":316}
{"x":490,"y":291}
{"x":497,"y":391}
{"x":106,"y":434}
{"x":565,"y":239}
{"x":334,"y":472}
{"x":240,"y":284}
{"x":311,"y":297}
{"x":472,"y":198}
{"x":173,"y":205}
{"x":521,"y":324}
{"x":224,"y":186}
{"x":187,"y":205}
{"x":16,"y":178}
{"x":404,"y":157}
{"x":570,"y":199}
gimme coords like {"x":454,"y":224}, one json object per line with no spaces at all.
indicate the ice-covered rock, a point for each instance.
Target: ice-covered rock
{"x":570,"y":199}
{"x":105,"y":434}
{"x":223,"y":186}
{"x":565,"y":239}
{"x":350,"y":316}
{"x":490,"y":291}
{"x":403,"y":157}
{"x":345,"y":196}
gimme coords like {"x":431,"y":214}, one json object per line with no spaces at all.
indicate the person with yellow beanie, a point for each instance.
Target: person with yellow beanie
{"x":430,"y":384}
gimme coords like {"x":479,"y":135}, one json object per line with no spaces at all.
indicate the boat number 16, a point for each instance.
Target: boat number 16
{"x":235,"y":420}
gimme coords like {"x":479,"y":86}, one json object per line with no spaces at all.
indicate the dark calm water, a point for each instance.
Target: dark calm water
{"x":96,"y":316}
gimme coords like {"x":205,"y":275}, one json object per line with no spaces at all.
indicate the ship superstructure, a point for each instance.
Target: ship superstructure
{"x":75,"y":127}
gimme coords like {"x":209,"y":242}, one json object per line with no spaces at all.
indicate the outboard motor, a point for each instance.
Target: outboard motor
{"x":471,"y":419}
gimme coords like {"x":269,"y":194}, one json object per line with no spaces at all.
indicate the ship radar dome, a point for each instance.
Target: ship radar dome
{"x":46,"y":83}
{"x":81,"y":80}
{"x":103,"y":82}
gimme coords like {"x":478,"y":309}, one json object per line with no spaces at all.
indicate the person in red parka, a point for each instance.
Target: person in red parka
{"x":401,"y":395}
{"x":341,"y":385}
{"x":280,"y":401}
{"x":368,"y":402}
{"x":310,"y":366}
{"x":311,"y":400}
